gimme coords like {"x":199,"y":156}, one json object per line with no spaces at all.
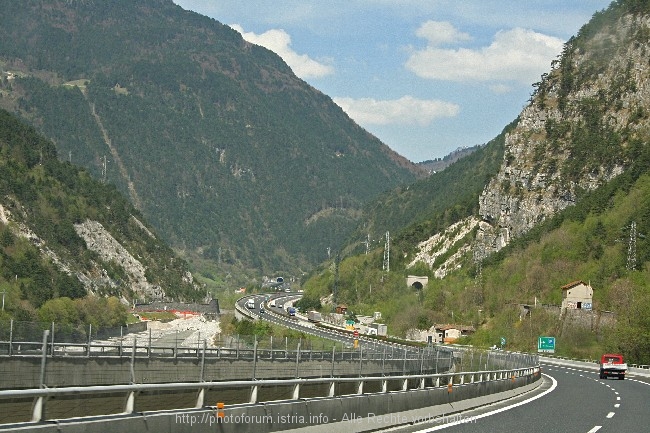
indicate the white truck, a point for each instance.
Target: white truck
{"x":612,"y":364}
{"x":250,"y":304}
{"x":378,"y":329}
{"x":314,"y":316}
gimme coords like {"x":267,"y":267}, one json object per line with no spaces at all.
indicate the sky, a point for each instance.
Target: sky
{"x":424,"y":76}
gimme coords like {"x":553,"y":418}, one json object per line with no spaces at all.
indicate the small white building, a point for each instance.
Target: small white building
{"x":577,"y":295}
{"x":440,"y":334}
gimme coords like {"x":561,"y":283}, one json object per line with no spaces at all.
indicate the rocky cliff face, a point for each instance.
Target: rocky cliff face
{"x":577,"y":132}
{"x":110,"y":250}
{"x":582,"y":127}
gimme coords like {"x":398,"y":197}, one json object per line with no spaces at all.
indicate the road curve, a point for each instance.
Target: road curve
{"x":572,"y":399}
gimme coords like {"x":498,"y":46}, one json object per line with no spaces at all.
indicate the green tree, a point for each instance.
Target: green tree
{"x":60,"y":310}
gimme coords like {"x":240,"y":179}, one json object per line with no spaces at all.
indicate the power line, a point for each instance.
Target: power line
{"x":386,"y":266}
{"x":631,"y":248}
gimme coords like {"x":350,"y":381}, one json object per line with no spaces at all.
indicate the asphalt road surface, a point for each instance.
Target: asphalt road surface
{"x":570,"y":400}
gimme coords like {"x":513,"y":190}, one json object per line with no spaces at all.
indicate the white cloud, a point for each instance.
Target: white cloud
{"x":406,"y":110}
{"x":279,"y":41}
{"x":500,"y":88}
{"x":439,"y":32}
{"x":518,"y":55}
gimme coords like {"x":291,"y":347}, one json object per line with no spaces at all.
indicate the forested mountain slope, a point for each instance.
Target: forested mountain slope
{"x":219,"y":145}
{"x":64,"y":234}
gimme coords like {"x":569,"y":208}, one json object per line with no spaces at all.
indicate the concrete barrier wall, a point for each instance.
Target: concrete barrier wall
{"x":347,"y":413}
{"x":20,"y":372}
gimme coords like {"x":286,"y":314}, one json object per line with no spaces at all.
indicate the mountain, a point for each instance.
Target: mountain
{"x":64,"y":234}
{"x":439,"y":164}
{"x":587,"y":122}
{"x":565,"y":199}
{"x":214,"y":140}
{"x":431,"y":204}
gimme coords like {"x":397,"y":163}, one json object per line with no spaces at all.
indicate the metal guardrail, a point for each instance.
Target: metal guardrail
{"x":593,"y":361}
{"x":94,"y":349}
{"x":421,"y":381}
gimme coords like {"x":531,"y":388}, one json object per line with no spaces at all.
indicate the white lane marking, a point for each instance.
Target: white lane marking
{"x":611,"y":414}
{"x":494,"y":412}
{"x":617,"y":405}
{"x":595,"y":429}
{"x":618,"y":398}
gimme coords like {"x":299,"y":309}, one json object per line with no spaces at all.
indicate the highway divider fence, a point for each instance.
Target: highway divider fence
{"x":42,"y":404}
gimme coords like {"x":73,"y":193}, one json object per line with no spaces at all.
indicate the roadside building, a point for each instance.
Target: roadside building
{"x":441,"y":334}
{"x":577,"y":295}
{"x":451,"y":333}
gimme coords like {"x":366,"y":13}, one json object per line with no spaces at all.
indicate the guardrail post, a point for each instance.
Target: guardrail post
{"x":271,"y":358}
{"x":404,"y":364}
{"x":360,"y":360}
{"x":198,"y":343}
{"x":176,"y":345}
{"x":38,"y":409}
{"x":405,"y":385}
{"x":119,"y":350}
{"x":360,"y":387}
{"x":43,"y":357}
{"x":149,"y":345}
{"x":253,"y":394}
{"x":132,"y":365}
{"x":384,"y":386}
{"x":90,"y":336}
{"x":11,"y":336}
{"x":255,"y":357}
{"x":333,"y":355}
{"x":297,"y":359}
{"x":422,"y":362}
{"x":203,"y":364}
{"x":129,"y":406}
{"x":332,"y":387}
{"x":52,"y":341}
{"x":296,"y":392}
{"x":383,"y":361}
{"x":200,"y":398}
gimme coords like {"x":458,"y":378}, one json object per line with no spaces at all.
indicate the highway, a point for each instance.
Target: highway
{"x":278,"y":315}
{"x":572,"y":400}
